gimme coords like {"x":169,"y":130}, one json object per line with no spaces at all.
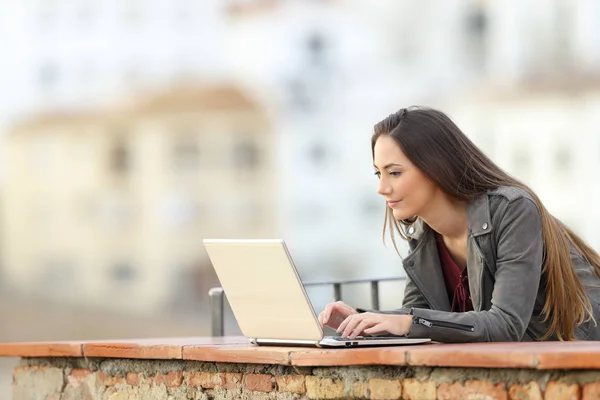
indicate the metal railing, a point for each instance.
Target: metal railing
{"x":217,"y":297}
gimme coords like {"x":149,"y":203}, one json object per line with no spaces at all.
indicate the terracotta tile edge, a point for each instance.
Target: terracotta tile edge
{"x":134,"y":351}
{"x":35,"y":350}
{"x":555,"y":362}
{"x":379,"y":357}
{"x":211,"y":354}
{"x":483,"y":359}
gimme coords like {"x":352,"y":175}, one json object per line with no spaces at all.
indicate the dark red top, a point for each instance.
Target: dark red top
{"x":457,"y":281}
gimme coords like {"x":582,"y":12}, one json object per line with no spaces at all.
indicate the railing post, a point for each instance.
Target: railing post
{"x":337,"y":291}
{"x":375,"y":295}
{"x":216,"y":305}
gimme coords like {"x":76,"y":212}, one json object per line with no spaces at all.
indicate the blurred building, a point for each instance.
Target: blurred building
{"x":544,"y":133}
{"x":325,"y":72}
{"x":74,"y":54}
{"x":334,"y":69}
{"x":110,"y":207}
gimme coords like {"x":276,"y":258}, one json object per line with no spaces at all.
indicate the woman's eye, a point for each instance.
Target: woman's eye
{"x":395,"y":173}
{"x":377,"y":174}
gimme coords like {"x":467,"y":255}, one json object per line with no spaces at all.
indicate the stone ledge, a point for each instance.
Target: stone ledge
{"x":114,"y":378}
{"x":541,"y":356}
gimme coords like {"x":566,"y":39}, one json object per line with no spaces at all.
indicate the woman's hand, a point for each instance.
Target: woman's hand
{"x":335,"y":313}
{"x":373,"y":323}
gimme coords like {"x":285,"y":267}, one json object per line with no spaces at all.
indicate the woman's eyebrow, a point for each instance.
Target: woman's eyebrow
{"x":389,"y":165}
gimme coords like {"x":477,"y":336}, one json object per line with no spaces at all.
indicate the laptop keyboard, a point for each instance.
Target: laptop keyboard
{"x":359,"y":338}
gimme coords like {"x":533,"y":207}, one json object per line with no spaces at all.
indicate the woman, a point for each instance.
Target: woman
{"x":487,"y":261}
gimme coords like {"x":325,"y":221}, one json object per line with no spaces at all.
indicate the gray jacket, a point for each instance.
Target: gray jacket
{"x":504,"y":262}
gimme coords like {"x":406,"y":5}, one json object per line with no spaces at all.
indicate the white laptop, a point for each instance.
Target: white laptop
{"x":268,"y":299}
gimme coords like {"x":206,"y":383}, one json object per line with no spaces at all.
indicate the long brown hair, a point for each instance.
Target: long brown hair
{"x":443,"y":152}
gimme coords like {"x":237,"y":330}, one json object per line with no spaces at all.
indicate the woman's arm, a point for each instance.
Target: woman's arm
{"x":517,"y":277}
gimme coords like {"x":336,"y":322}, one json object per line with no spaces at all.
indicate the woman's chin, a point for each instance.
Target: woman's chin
{"x":399,"y":215}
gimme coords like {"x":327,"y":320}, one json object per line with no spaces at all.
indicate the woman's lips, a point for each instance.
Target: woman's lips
{"x":392,"y":203}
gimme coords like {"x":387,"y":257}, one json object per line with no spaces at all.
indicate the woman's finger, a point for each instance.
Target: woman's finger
{"x":378,"y":328}
{"x":343,"y":324}
{"x":353,"y":322}
{"x":360,"y":328}
{"x":320,"y":318}
{"x":326,"y":314}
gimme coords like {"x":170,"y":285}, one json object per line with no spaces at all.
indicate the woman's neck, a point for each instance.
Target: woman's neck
{"x":447,"y":216}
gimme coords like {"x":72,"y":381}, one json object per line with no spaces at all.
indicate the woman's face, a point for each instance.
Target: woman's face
{"x":407,"y":190}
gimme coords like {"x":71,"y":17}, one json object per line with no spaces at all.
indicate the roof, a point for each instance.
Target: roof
{"x":203,"y":99}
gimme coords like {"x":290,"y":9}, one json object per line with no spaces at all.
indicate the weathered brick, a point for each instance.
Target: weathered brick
{"x":206,"y":380}
{"x":79,"y":374}
{"x":80,"y":385}
{"x":132,"y":379}
{"x":383,"y":389}
{"x":79,"y":392}
{"x":47,"y":381}
{"x":529,"y":391}
{"x":229,"y":380}
{"x":259,"y":382}
{"x":360,"y":390}
{"x":562,"y":391}
{"x":25,"y":370}
{"x":291,"y":384}
{"x":110,"y":380}
{"x":471,"y":390}
{"x":414,"y":389}
{"x":324,"y":388}
{"x":591,"y":391}
{"x":171,"y":379}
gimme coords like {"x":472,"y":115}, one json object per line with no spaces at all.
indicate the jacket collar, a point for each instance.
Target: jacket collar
{"x":478,"y":216}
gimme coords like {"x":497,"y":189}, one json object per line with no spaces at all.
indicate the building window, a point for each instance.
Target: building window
{"x":115,"y":212}
{"x":120,"y":157}
{"x":318,"y":154}
{"x":246,"y":155}
{"x":317,"y":48}
{"x":476,"y":33}
{"x":123,"y":272}
{"x":48,"y":76}
{"x":186,"y":155}
{"x":179,"y":210}
{"x":562,"y":159}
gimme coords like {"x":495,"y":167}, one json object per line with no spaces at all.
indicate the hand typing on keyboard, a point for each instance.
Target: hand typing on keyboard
{"x":374,"y":324}
{"x":335,"y":313}
{"x":346,"y":320}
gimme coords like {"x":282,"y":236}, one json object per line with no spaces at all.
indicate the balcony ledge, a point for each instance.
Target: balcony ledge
{"x":233,"y":367}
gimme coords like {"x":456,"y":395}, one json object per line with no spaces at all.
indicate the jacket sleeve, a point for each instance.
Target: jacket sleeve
{"x":519,"y":260}
{"x":413,"y":298}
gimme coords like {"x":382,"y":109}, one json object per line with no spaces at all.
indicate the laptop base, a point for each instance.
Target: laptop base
{"x":338,"y":342}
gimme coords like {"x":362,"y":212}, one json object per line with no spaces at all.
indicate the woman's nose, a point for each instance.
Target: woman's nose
{"x":383,"y":188}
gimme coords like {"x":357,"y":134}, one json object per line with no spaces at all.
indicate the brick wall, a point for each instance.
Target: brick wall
{"x":87,"y":379}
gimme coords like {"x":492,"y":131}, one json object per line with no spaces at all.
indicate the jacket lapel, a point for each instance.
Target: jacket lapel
{"x":480,"y":224}
{"x":424,"y":269}
{"x":423,"y":264}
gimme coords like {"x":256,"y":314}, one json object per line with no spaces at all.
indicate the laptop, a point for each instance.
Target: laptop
{"x":268,"y":299}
